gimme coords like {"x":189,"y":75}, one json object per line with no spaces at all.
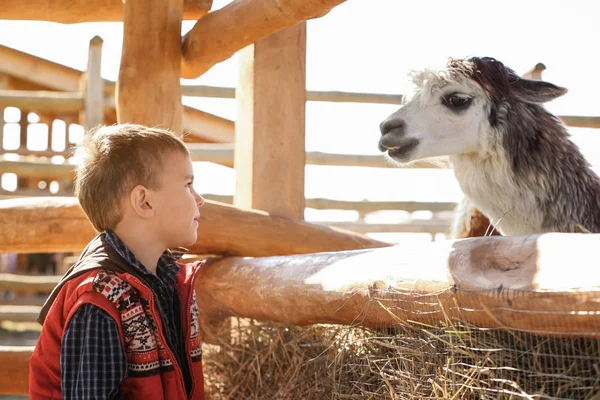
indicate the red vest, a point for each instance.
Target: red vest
{"x":152,"y":370}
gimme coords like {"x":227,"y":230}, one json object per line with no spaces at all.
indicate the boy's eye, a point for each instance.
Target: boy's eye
{"x":189,"y":184}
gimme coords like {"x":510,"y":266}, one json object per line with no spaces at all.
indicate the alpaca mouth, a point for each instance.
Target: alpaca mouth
{"x":402,"y":153}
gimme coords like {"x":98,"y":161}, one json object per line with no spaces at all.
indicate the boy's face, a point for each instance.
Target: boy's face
{"x":177,"y":203}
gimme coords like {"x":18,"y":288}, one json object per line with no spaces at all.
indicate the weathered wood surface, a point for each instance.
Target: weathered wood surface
{"x":38,"y":169}
{"x":58,"y":224}
{"x":519,"y":283}
{"x":148,"y":90}
{"x":42,"y":101}
{"x":14,"y":378}
{"x":224,"y":154}
{"x":75,"y":11}
{"x":220,"y":34}
{"x":311,"y":95}
{"x":270,"y":151}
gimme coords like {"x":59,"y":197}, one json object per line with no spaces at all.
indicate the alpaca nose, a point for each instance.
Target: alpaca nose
{"x":392,"y":124}
{"x":392,"y":132}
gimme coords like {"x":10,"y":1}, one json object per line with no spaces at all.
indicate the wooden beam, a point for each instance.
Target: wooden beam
{"x":270,"y":147}
{"x":222,"y":230}
{"x":208,"y":127}
{"x":15,"y":379}
{"x":37,"y":70}
{"x":517,"y":283}
{"x":577,"y":121}
{"x":220,"y":34}
{"x":76,"y":11}
{"x":41,"y":101}
{"x":311,"y":95}
{"x":93,"y":87}
{"x":362,"y":206}
{"x":148,"y":89}
{"x":19,"y":313}
{"x":224,"y":154}
{"x":28,"y":284}
{"x":38,"y":169}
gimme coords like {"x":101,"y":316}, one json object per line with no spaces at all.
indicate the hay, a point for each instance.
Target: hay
{"x":270,"y":361}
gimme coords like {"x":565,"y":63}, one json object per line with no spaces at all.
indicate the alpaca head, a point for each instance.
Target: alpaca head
{"x":459,"y":109}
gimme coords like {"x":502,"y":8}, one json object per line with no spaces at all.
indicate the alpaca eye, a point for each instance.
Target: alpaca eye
{"x":456,"y":101}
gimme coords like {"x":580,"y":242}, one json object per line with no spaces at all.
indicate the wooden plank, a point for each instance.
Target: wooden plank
{"x":270,"y":146}
{"x":27,"y":313}
{"x":578,"y":121}
{"x":220,"y":34}
{"x":42,"y":101}
{"x":362,"y":206}
{"x":38,"y":70}
{"x":222,"y":230}
{"x":28,"y":169}
{"x":515,"y":283}
{"x":14,"y":380}
{"x":208,"y":127}
{"x":93,"y":87}
{"x":148,"y":89}
{"x":311,"y":95}
{"x":518,"y":283}
{"x":28,"y":283}
{"x":76,"y":11}
{"x":224,"y":154}
{"x":432,"y":226}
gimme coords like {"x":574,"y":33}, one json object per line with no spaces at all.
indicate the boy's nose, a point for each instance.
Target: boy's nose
{"x":200,"y":201}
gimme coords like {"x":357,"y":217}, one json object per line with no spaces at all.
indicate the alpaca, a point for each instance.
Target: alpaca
{"x":512,"y":158}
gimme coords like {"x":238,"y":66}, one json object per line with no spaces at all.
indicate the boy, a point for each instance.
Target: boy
{"x":122,"y":323}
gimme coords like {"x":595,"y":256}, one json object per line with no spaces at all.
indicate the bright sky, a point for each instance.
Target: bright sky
{"x":370,"y":46}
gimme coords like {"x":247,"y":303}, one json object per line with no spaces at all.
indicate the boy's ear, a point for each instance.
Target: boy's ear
{"x":141,"y":202}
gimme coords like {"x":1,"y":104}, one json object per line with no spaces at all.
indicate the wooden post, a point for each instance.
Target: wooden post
{"x":148,"y":90}
{"x":92,"y":86}
{"x":270,"y":146}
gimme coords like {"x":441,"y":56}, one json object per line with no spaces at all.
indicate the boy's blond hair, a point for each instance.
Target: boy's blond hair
{"x":115,"y":159}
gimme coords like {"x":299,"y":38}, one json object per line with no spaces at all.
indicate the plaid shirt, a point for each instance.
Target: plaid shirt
{"x":92,"y":359}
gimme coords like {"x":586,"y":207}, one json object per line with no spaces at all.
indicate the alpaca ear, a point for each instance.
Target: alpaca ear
{"x":532,"y":91}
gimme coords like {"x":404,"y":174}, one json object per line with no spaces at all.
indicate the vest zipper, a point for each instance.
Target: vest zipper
{"x":160,"y":333}
{"x":188,"y":319}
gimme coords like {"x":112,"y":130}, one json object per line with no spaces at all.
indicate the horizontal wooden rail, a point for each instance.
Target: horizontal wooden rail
{"x":363,"y":206}
{"x":58,"y":224}
{"x":518,"y":283}
{"x":311,"y":95}
{"x":223,"y":154}
{"x":70,"y":102}
{"x":37,"y":153}
{"x":26,"y":313}
{"x":76,"y":11}
{"x":28,"y":283}
{"x":432,"y":226}
{"x":360,"y":206}
{"x":61,"y":102}
{"x":513,"y":283}
{"x":38,"y":169}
